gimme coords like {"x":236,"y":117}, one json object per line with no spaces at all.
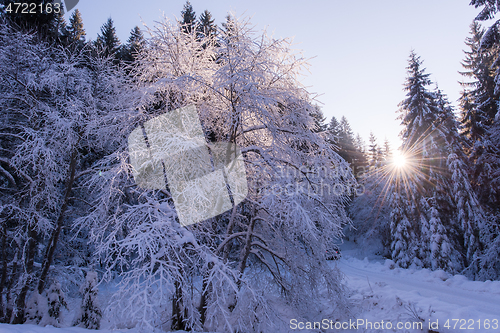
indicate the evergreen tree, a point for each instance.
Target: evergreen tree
{"x":135,"y":44}
{"x":361,"y":160}
{"x":60,"y":26}
{"x":319,"y":119}
{"x":90,"y":313}
{"x":229,"y":28}
{"x":207,"y":27}
{"x":359,"y":144}
{"x":490,"y":8}
{"x":401,"y":229}
{"x":347,"y":148}
{"x":428,"y":136}
{"x":56,"y":301}
{"x":188,"y":18}
{"x":346,"y":141}
{"x":46,"y":25}
{"x":479,"y":106}
{"x":74,"y":31}
{"x":469,"y":215}
{"x":107,"y":41}
{"x":485,"y":153}
{"x":373,"y":151}
{"x":440,"y":248}
{"x":387,"y":152}
{"x":478,"y":101}
{"x":334,"y":132}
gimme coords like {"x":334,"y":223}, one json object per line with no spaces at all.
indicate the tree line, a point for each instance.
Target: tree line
{"x":441,"y":211}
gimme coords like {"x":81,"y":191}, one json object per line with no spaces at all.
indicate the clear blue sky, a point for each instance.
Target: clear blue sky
{"x":359,"y":49}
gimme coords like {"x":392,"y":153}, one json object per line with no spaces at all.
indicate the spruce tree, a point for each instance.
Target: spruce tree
{"x":107,"y":41}
{"x":427,"y":138}
{"x":485,"y":153}
{"x":478,"y":101}
{"x":334,"y":132}
{"x":468,"y":212}
{"x":46,"y":25}
{"x":319,"y":119}
{"x":75,"y":31}
{"x":188,"y":18}
{"x":401,"y":229}
{"x":373,"y":150}
{"x":440,"y":247}
{"x":207,"y":27}
{"x":346,"y":141}
{"x":90,"y":313}
{"x":347,"y":148}
{"x":135,"y":44}
{"x":387,"y":151}
{"x":361,"y":160}
{"x":56,"y":301}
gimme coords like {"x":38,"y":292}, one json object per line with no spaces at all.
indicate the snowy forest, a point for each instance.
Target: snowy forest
{"x":83,"y":245}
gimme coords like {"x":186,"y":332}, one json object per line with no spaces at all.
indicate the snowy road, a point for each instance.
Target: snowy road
{"x":388,"y":293}
{"x":440,"y":292}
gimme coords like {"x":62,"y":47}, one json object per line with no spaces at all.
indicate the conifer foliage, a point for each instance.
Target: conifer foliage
{"x":107,"y":41}
{"x":90,"y":313}
{"x":75,"y":33}
{"x":56,"y":302}
{"x":436,"y":217}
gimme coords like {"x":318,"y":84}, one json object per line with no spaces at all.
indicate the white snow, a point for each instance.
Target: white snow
{"x":26,"y":328}
{"x":382,"y":291}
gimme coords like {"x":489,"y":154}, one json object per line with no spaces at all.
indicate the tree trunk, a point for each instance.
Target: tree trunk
{"x":21,"y":298}
{"x":246,"y":250}
{"x":229,"y":231}
{"x":13,"y":273}
{"x":204,"y":295}
{"x":177,"y":323}
{"x":49,"y":254}
{"x":4,"y":270}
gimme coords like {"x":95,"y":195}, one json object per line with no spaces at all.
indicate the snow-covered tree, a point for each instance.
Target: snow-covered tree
{"x":135,"y":44}
{"x":478,"y":105}
{"x":57,"y":118}
{"x":274,"y":241}
{"x":207,"y":26}
{"x":387,"y":151}
{"x":373,"y":151}
{"x":56,"y":301}
{"x":36,"y":308}
{"x":334,"y":132}
{"x":446,"y":215}
{"x":403,"y":235}
{"x":90,"y":314}
{"x":46,"y":26}
{"x":484,"y":153}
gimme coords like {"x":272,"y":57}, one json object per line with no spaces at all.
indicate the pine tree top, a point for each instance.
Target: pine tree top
{"x":75,"y":28}
{"x":188,"y":17}
{"x":108,"y":39}
{"x":207,"y":26}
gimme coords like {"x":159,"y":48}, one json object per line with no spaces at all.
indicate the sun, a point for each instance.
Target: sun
{"x":399,"y":160}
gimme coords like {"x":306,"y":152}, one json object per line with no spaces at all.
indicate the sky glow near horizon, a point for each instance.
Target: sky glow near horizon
{"x":357,"y":50}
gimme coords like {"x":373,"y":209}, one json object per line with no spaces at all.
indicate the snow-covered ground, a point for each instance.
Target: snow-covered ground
{"x":385,"y":296}
{"x":382,"y":291}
